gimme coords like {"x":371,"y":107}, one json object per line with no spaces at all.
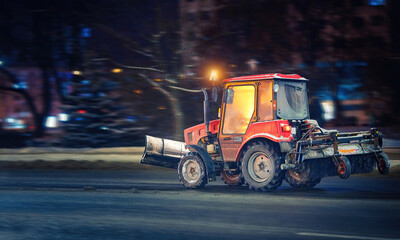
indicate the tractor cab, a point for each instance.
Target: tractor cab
{"x":259,"y":106}
{"x":277,"y":96}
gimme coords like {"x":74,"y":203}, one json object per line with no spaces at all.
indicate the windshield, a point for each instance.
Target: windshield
{"x":292,"y":100}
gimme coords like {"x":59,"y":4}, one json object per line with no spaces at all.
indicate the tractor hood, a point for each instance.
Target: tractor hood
{"x":291,"y":99}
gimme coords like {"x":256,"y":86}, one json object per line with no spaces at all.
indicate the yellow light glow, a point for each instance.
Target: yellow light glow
{"x":116,"y":70}
{"x":138,"y":91}
{"x":76,"y":72}
{"x":158,"y":80}
{"x":286,"y":128}
{"x":214,"y":75}
{"x":161,"y":108}
{"x":239,"y":110}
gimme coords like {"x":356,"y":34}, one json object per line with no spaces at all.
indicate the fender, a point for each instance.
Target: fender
{"x":208,"y":162}
{"x":271,"y":130}
{"x":265,"y":136}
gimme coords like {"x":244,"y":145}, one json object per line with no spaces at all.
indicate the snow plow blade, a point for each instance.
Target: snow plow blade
{"x":163,"y":152}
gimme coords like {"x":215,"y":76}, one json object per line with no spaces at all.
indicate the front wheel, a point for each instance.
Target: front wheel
{"x":261,"y":167}
{"x":192,"y":171}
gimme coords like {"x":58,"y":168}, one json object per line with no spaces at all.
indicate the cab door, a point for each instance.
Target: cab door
{"x":237,"y":112}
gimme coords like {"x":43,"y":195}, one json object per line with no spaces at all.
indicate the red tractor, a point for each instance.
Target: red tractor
{"x":263,"y":136}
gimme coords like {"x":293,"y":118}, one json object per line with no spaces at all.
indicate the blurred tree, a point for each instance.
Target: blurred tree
{"x":144,"y":35}
{"x":42,"y":34}
{"x":96,"y":118}
{"x":151,"y":60}
{"x":7,"y":85}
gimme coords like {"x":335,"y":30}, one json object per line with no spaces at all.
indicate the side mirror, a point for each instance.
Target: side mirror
{"x":229,"y":96}
{"x":276,"y":87}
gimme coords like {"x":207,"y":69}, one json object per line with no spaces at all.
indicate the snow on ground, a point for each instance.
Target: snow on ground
{"x":37,"y":150}
{"x":120,"y":154}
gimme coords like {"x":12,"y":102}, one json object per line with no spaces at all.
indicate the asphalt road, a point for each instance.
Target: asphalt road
{"x":77,"y":204}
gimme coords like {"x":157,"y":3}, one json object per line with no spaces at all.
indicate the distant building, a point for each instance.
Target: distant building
{"x":335,"y":37}
{"x":350,"y":30}
{"x":195,"y":16}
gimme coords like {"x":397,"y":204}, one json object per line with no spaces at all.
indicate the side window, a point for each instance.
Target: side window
{"x":239,"y":108}
{"x":265,"y":110}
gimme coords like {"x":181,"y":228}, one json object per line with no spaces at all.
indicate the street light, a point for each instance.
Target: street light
{"x":252,"y":64}
{"x":76,"y":72}
{"x":214,"y":75}
{"x":116,"y":70}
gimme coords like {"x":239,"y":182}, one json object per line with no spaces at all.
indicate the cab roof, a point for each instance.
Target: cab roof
{"x":266,"y":76}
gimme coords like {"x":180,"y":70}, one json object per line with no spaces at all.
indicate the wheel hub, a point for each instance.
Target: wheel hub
{"x":260,"y":167}
{"x":191,"y":170}
{"x":341,"y":168}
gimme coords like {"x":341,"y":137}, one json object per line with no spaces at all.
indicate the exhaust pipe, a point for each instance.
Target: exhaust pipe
{"x":206,"y":106}
{"x":163,"y":152}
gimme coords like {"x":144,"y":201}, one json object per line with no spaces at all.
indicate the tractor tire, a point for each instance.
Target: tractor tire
{"x":261,"y":167}
{"x":344,"y":168}
{"x":232,"y":179}
{"x":383,"y":163}
{"x":303,"y":179}
{"x":192,"y":171}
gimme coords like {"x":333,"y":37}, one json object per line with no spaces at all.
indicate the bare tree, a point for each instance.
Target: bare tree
{"x":158,"y":63}
{"x":6,"y":86}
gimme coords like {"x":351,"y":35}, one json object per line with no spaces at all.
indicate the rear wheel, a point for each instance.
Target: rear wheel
{"x":304,"y":178}
{"x":191,"y":171}
{"x":232,"y":178}
{"x":383,"y":163}
{"x":260,"y":167}
{"x":344,"y":167}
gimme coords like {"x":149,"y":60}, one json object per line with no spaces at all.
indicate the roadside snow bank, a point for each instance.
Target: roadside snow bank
{"x":39,"y":150}
{"x":120,"y":154}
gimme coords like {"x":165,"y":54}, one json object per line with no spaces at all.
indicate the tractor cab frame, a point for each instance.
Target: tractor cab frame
{"x":258,"y":107}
